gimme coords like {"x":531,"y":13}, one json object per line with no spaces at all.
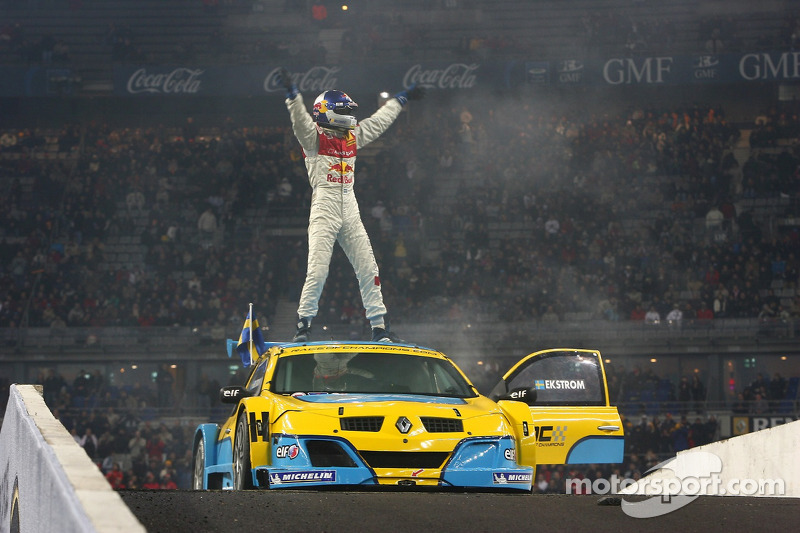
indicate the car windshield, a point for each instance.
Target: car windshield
{"x":379,"y":373}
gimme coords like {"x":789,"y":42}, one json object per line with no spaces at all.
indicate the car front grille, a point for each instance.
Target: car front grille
{"x":404,"y":459}
{"x":442,"y":425}
{"x":361,"y":423}
{"x":326,"y":453}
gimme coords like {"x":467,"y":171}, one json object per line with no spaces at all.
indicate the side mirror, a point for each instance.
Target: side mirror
{"x":521,"y":394}
{"x":233,"y":394}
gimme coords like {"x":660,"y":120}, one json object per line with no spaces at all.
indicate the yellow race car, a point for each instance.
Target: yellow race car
{"x":355,"y":414}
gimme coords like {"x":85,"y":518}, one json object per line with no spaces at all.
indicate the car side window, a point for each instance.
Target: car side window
{"x":563,"y":378}
{"x":257,"y":379}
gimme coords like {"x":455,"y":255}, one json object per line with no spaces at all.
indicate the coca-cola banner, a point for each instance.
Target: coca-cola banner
{"x":462,"y":76}
{"x":189,"y":80}
{"x":252,"y":80}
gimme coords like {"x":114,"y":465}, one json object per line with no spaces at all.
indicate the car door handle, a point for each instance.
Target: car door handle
{"x":608,"y":428}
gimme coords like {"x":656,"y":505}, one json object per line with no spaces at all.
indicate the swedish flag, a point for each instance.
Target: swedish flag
{"x":247,"y":350}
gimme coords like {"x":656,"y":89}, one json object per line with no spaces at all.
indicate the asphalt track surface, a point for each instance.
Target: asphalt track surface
{"x":356,"y":512}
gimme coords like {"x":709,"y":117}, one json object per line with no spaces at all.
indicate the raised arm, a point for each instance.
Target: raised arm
{"x":303,"y":126}
{"x":371,"y":128}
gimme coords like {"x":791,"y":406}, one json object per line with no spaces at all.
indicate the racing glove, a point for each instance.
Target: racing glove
{"x":412,"y":93}
{"x":285,"y":79}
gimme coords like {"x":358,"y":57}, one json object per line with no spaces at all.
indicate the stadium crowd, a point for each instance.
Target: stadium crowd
{"x":182,"y":196}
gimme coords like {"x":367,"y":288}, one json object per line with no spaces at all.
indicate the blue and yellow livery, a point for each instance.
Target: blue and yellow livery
{"x":347,"y":414}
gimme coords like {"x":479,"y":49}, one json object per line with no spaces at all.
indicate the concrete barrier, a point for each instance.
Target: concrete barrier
{"x":47,"y":482}
{"x":762,"y":464}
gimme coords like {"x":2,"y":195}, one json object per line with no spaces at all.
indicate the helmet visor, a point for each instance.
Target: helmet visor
{"x":346,"y":109}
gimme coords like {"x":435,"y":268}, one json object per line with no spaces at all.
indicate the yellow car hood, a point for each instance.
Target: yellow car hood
{"x":413,"y":416}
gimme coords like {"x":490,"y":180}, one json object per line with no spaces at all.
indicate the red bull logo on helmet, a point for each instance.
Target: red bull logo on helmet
{"x":321,"y":106}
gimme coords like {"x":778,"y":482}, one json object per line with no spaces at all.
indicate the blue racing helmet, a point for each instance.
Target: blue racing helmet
{"x":334,"y":109}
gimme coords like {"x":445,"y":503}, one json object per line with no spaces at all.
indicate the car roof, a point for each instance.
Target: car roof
{"x":293,"y":348}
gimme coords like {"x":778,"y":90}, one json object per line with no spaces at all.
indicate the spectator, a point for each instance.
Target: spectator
{"x":150,"y":481}
{"x":319,"y":12}
{"x":652,"y":316}
{"x":675,"y":317}
{"x":115,"y":477}
{"x":638,"y":313}
{"x":714,"y":219}
{"x":760,"y":405}
{"x":137,"y":444}
{"x":135,"y":201}
{"x":684,"y":393}
{"x":164,"y":382}
{"x":704,"y":313}
{"x":207,"y":224}
{"x":167,"y":483}
{"x":777,"y":390}
{"x":698,"y":392}
{"x":550,"y":316}
{"x":88,"y":442}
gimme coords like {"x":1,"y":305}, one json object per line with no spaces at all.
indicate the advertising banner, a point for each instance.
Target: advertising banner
{"x":464,"y":76}
{"x":750,"y":423}
{"x":185,"y":80}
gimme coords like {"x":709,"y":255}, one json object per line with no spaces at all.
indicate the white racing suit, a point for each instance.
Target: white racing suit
{"x":331,"y":161}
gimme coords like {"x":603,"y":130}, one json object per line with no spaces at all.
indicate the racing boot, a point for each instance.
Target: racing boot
{"x":383,"y":335}
{"x":303,"y":333}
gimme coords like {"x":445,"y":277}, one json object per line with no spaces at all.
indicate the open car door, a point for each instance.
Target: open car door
{"x":572,"y":418}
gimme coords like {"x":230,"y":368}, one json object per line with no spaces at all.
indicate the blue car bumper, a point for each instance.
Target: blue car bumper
{"x":476,"y":462}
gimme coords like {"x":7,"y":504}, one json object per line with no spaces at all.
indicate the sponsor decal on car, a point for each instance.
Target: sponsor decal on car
{"x":503,"y":478}
{"x":550,"y":435}
{"x":547,"y":384}
{"x":288,"y":451}
{"x":327,"y":476}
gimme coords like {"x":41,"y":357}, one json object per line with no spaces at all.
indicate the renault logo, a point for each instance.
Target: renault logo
{"x":403,"y":425}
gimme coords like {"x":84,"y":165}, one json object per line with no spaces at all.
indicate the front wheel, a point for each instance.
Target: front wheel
{"x":199,"y":470}
{"x":242,"y":474}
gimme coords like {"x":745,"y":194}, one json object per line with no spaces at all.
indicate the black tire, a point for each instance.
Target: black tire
{"x":242,"y":477}
{"x":198,"y":471}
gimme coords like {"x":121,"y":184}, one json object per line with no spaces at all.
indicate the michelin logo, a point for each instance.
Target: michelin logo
{"x":573,"y":384}
{"x":325,"y":476}
{"x":504,"y":478}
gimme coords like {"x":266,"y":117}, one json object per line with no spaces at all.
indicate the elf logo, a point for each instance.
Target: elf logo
{"x":289,"y":451}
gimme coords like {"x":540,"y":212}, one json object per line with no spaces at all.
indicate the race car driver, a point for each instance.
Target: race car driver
{"x":330,"y":137}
